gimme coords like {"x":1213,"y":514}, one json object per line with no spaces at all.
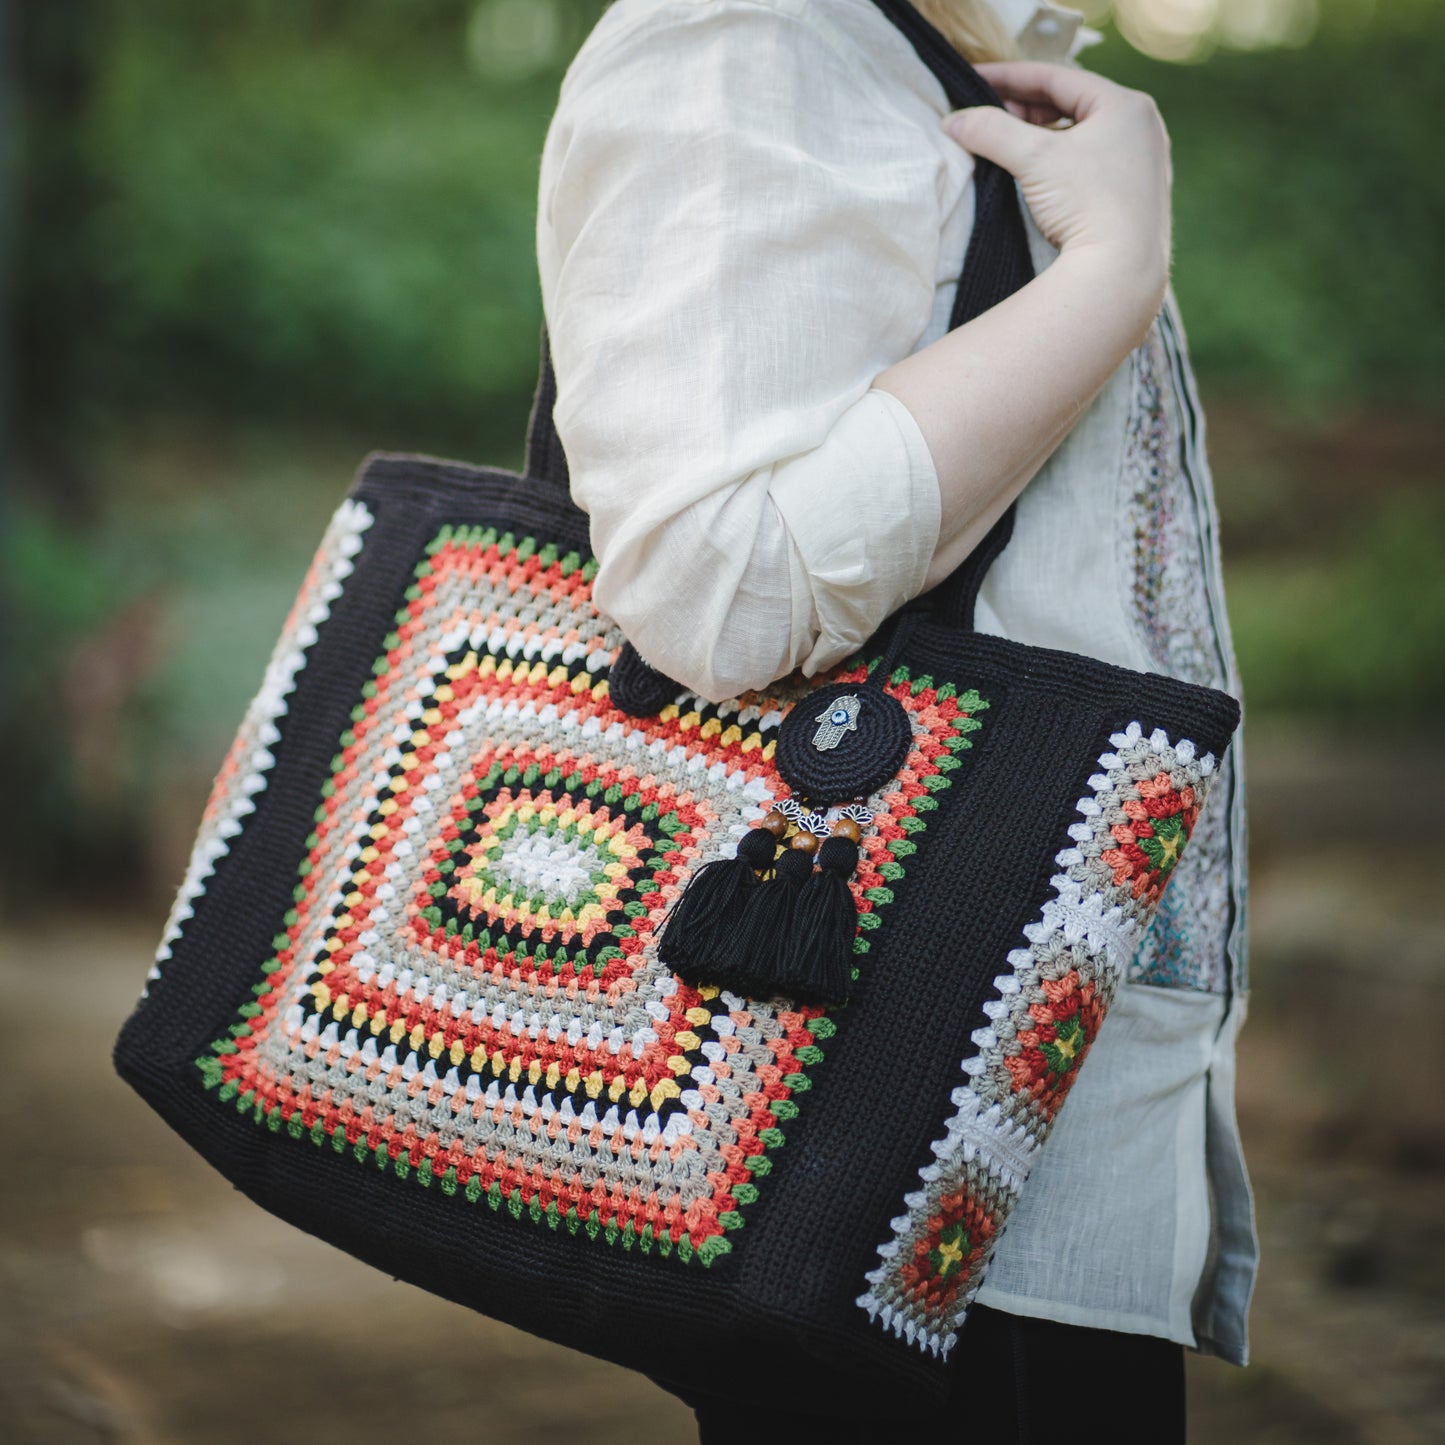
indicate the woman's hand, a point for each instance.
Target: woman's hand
{"x":995,"y":396}
{"x":1099,"y":183}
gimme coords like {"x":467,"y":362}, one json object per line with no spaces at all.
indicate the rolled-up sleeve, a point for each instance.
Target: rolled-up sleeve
{"x":736,"y":234}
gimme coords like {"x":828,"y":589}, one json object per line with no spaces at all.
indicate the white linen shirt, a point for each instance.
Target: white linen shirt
{"x":747,"y":210}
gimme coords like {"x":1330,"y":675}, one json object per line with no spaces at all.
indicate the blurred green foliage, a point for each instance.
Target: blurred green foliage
{"x":1309,"y":205}
{"x":258,"y":239}
{"x":293,"y":210}
{"x":1356,"y":630}
{"x":308,"y":207}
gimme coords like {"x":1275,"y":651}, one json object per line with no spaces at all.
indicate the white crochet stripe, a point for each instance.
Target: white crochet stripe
{"x":349,"y":1052}
{"x":979,"y":1132}
{"x":979,"y":1137}
{"x":250,"y":754}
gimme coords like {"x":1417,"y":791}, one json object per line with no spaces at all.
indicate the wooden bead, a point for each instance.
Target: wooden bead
{"x":776,"y":824}
{"x":847,"y":828}
{"x":804,"y":843}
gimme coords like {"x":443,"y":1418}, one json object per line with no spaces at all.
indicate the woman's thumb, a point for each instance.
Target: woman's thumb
{"x":991,"y":132}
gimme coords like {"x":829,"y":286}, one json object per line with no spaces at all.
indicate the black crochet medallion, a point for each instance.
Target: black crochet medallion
{"x":842,"y":742}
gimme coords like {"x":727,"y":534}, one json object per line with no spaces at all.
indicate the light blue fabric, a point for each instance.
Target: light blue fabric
{"x":1114,"y":1229}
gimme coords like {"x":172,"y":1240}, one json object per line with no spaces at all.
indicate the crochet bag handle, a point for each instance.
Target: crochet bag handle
{"x":997,"y":264}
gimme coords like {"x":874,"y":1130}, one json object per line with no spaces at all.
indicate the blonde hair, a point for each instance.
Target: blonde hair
{"x":972,"y":27}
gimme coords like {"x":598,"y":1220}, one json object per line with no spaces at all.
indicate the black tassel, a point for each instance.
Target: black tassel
{"x":825,"y":921}
{"x":757,"y":962}
{"x":696,"y":935}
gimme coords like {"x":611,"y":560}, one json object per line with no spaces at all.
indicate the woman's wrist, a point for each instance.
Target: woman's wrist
{"x":1127,"y":275}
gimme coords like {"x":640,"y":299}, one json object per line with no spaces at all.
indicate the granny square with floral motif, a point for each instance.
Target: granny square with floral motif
{"x":1142,"y":807}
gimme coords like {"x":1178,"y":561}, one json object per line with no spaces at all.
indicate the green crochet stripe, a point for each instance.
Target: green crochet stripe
{"x":591,"y":1223}
{"x":627,"y":1235}
{"x":970,"y":703}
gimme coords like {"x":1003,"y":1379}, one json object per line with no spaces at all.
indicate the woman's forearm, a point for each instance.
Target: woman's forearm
{"x":995,"y":397}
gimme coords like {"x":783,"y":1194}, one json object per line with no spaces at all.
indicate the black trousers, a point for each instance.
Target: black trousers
{"x":1017,"y":1381}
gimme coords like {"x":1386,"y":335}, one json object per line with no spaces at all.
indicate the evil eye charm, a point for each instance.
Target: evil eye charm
{"x":842,"y":742}
{"x":837,"y":719}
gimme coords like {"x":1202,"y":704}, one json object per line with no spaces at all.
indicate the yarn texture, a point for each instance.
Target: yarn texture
{"x":424,"y":980}
{"x":496,"y":844}
{"x":1140,"y":811}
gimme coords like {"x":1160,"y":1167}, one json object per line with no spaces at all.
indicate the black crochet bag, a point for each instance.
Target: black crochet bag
{"x":451,"y":984}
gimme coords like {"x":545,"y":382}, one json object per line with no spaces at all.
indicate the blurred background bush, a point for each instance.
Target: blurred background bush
{"x":248,"y":243}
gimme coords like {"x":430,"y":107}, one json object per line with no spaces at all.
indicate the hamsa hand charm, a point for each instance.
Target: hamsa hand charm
{"x":819,"y":760}
{"x":839,"y":717}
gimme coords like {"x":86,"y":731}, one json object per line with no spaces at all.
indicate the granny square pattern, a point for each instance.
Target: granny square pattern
{"x":466,"y":991}
{"x":1143,"y":805}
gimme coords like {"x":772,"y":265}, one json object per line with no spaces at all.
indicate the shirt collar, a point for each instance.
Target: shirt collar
{"x":1045,"y":31}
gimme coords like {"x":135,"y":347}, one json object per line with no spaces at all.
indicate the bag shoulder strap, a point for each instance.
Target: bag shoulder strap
{"x":546,"y":462}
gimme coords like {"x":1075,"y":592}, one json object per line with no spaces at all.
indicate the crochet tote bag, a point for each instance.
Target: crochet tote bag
{"x":412,"y":996}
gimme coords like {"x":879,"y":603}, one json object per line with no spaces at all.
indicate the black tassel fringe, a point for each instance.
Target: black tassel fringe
{"x":825,"y":920}
{"x":790,"y":934}
{"x":760,"y":965}
{"x":696,"y":937}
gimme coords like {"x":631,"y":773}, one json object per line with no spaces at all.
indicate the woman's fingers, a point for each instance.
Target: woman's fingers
{"x":1103,"y":183}
{"x":1034,"y":114}
{"x":1067,"y":89}
{"x":994,"y":134}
